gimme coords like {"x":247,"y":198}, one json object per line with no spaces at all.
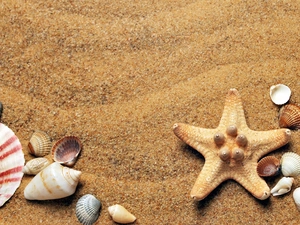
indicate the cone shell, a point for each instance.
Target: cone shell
{"x":34,"y":166}
{"x":66,"y":150}
{"x":53,"y":182}
{"x":283,"y":186}
{"x":120,"y":215}
{"x":290,"y":164}
{"x":11,"y":163}
{"x":268,"y":166}
{"x":39,"y":144}
{"x":289,"y":116}
{"x":296,"y":197}
{"x":280,"y":94}
{"x":88,"y":209}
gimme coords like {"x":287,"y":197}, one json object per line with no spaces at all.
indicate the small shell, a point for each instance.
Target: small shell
{"x":290,"y":164}
{"x":120,"y":215}
{"x":34,"y":166}
{"x":283,"y":186}
{"x":88,"y":209}
{"x":53,"y":182}
{"x":289,"y":116}
{"x":39,"y":144}
{"x":280,"y":94}
{"x":296,"y":197}
{"x":268,"y":166}
{"x":66,"y":150}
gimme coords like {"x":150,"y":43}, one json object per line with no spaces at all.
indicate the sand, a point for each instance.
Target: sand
{"x":119,"y":74}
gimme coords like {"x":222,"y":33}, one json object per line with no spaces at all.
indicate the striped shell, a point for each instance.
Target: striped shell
{"x":39,"y":144}
{"x":11,"y":163}
{"x":88,"y":209}
{"x":268,"y":166}
{"x":66,"y":150}
{"x":289,"y":116}
{"x":280,"y":94}
{"x":120,"y":215}
{"x":290,"y":164}
{"x":34,"y":166}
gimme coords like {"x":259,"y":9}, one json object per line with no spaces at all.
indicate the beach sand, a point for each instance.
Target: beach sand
{"x":119,"y":74}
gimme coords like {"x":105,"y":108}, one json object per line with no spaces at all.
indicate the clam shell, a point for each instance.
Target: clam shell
{"x":11,"y":163}
{"x":283,"y":186}
{"x":268,"y":166}
{"x":34,"y":166}
{"x":120,"y":215}
{"x":296,"y":197}
{"x":66,"y":150}
{"x":53,"y":182}
{"x":290,"y":164}
{"x":289,"y":116}
{"x":88,"y":209}
{"x":280,"y":94}
{"x":39,"y":143}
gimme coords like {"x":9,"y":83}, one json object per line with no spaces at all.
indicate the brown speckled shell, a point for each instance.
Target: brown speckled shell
{"x":289,"y":116}
{"x":268,"y":166}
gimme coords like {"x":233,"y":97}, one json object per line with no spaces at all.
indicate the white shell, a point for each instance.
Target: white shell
{"x":283,"y":186}
{"x":280,"y":94}
{"x":11,"y":163}
{"x":290,"y":164}
{"x":34,"y":166}
{"x":87,"y":209}
{"x":53,"y":182}
{"x":296,"y":197}
{"x":120,"y":215}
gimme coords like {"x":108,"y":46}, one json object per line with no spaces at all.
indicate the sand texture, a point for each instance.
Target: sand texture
{"x":119,"y":74}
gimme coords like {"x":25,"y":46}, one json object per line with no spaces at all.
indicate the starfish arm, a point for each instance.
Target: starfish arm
{"x":198,"y":138}
{"x":263,"y":142}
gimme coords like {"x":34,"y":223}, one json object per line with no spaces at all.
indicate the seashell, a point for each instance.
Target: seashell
{"x":88,"y":209}
{"x":66,"y":150}
{"x":290,"y":164}
{"x":280,"y":94}
{"x":39,"y":143}
{"x":120,"y":215}
{"x":289,"y":116}
{"x":283,"y":186}
{"x":268,"y":166}
{"x":296,"y":197}
{"x":53,"y":182}
{"x":11,"y":163}
{"x":34,"y":166}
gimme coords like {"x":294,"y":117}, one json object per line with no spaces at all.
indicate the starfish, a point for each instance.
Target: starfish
{"x":231,"y":150}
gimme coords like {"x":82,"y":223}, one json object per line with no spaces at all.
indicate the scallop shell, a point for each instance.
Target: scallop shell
{"x":296,"y":197}
{"x":66,"y":150}
{"x":34,"y":166}
{"x":289,"y":116}
{"x":268,"y":166}
{"x":11,"y":163}
{"x":53,"y":182}
{"x":290,"y":164}
{"x":120,"y":215}
{"x":39,"y":143}
{"x":88,"y":209}
{"x":280,"y":94}
{"x":283,"y":186}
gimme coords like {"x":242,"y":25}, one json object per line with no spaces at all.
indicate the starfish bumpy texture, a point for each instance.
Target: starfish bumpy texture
{"x":231,"y":150}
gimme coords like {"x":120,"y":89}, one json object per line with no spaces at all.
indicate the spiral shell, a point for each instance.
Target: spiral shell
{"x":34,"y":166}
{"x":296,"y":197}
{"x":280,"y":94}
{"x":39,"y":144}
{"x":120,"y":215}
{"x":283,"y":186}
{"x":11,"y":163}
{"x":268,"y":166}
{"x":88,"y":209}
{"x":66,"y":150}
{"x":289,"y":116}
{"x":290,"y":164}
{"x":53,"y":182}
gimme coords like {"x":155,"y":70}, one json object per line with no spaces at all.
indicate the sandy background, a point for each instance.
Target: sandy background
{"x":118,"y":74}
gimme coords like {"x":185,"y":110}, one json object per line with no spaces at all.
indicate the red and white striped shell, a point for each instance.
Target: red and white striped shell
{"x":11,"y":163}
